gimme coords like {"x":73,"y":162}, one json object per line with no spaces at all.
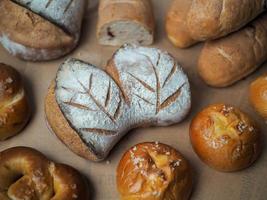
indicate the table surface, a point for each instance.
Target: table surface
{"x":249,"y":184}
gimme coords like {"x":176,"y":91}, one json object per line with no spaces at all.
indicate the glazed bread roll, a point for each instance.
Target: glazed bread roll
{"x":200,"y":20}
{"x":14,"y":107}
{"x":27,"y":174}
{"x":40,"y":30}
{"x":125,"y":21}
{"x":258,"y":95}
{"x":153,"y":171}
{"x":90,"y":110}
{"x":224,"y":61}
{"x":225,"y":138}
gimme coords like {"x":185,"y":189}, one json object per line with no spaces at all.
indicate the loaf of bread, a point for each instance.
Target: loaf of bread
{"x":14,"y":107}
{"x":258,"y":95}
{"x":125,"y":21}
{"x":27,"y":174}
{"x":225,"y":138}
{"x":224,"y":61}
{"x":40,"y":30}
{"x":90,"y":110}
{"x":154,"y":171}
{"x":200,"y":20}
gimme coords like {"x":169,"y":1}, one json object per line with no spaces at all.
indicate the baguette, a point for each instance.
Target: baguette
{"x":225,"y":61}
{"x":125,"y":21}
{"x":200,"y":20}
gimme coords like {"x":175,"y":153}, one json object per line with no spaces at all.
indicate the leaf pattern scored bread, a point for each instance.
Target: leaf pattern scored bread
{"x":142,"y":87}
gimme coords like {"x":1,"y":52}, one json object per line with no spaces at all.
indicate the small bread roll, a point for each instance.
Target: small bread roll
{"x":126,"y":21}
{"x":225,"y":138}
{"x":26,"y":174}
{"x":14,"y":107}
{"x":227,"y":60}
{"x":153,"y":171}
{"x":258,"y":95}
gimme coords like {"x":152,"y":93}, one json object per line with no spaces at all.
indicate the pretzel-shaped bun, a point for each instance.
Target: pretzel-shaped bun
{"x":26,"y":174}
{"x":153,"y":171}
{"x":225,"y":138}
{"x":14,"y":107}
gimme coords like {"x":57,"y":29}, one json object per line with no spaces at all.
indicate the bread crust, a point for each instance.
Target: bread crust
{"x":176,"y":26}
{"x":138,"y":12}
{"x":257,"y":95}
{"x":61,"y":128}
{"x":225,"y":61}
{"x":31,"y":37}
{"x":153,"y":171}
{"x":14,"y":107}
{"x":31,"y":175}
{"x":225,"y":138}
{"x":192,"y":21}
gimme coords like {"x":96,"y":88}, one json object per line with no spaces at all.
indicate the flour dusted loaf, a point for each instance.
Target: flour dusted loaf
{"x":199,"y":20}
{"x":154,"y":171}
{"x":125,"y":21}
{"x":142,"y":87}
{"x":27,"y":174}
{"x":225,"y":61}
{"x":40,"y":30}
{"x":14,"y":106}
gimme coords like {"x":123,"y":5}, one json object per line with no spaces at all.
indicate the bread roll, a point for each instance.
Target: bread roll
{"x":225,"y":138}
{"x":40,"y":30}
{"x":258,"y":95}
{"x":176,"y":24}
{"x":200,"y":20}
{"x":227,"y":60}
{"x":153,"y":171}
{"x":14,"y":107}
{"x":140,"y":87}
{"x":27,"y":174}
{"x":126,"y":21}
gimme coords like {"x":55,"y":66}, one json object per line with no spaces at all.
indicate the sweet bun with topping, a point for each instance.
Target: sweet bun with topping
{"x":225,"y":138}
{"x":154,"y":171}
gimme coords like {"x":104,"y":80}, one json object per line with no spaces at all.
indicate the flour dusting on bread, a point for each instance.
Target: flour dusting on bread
{"x":152,"y":90}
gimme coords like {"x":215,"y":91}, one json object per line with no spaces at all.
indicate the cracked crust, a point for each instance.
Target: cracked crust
{"x":225,"y":138}
{"x":227,"y":60}
{"x":61,"y":128}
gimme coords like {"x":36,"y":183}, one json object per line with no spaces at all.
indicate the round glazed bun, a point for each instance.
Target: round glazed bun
{"x":225,"y":138}
{"x":14,"y":107}
{"x":153,"y":171}
{"x":258,"y":95}
{"x":27,"y":174}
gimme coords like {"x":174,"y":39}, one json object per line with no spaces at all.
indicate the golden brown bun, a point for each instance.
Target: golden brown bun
{"x":176,"y":26}
{"x":14,"y":107}
{"x":258,"y":95}
{"x":60,"y":126}
{"x":153,"y":171}
{"x":225,"y":61}
{"x":225,"y":138}
{"x":27,"y":174}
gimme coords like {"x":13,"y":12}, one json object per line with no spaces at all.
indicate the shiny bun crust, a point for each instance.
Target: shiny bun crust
{"x":258,"y":95}
{"x":153,"y":171}
{"x":14,"y":107}
{"x":225,"y":138}
{"x":27,"y":174}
